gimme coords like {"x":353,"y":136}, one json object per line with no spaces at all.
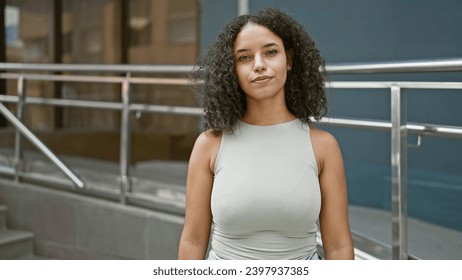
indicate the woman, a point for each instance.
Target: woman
{"x":261,"y":178}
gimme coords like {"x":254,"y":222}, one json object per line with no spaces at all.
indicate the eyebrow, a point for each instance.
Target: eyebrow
{"x":265,"y":46}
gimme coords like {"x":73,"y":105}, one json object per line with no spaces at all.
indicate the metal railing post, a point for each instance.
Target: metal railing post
{"x":242,"y":7}
{"x":19,"y":139}
{"x":125,"y":141}
{"x":75,"y":178}
{"x":399,"y":173}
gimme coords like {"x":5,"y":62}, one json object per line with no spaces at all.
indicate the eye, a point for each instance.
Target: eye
{"x":271,"y":52}
{"x":243,"y":58}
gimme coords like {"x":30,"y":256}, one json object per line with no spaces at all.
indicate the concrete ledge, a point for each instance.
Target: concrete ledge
{"x":2,"y":217}
{"x":71,"y":226}
{"x":15,"y":244}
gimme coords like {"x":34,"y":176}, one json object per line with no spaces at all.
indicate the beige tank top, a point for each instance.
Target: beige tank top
{"x":266,"y":197}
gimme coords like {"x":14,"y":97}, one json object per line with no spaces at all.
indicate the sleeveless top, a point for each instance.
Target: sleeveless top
{"x":266,"y":196}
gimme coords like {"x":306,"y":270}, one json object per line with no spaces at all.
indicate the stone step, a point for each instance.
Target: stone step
{"x":15,"y":244}
{"x":2,"y":217}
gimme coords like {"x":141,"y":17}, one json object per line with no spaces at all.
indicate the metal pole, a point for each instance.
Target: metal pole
{"x":41,"y":146}
{"x":242,"y":7}
{"x":125,"y":141}
{"x":19,"y":139}
{"x":57,"y":42}
{"x":3,"y":122}
{"x":399,"y":173}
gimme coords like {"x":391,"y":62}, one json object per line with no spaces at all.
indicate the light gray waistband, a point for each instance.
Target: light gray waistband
{"x":314,"y":257}
{"x":213,"y":256}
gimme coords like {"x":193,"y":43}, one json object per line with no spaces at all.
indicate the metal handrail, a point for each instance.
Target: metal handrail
{"x":107,"y":68}
{"x":412,"y":127}
{"x":441,"y":65}
{"x":398,"y":126}
{"x":383,"y":67}
{"x":41,"y":146}
{"x":97,"y":79}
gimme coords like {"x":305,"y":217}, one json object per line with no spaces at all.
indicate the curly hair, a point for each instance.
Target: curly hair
{"x":217,"y":84}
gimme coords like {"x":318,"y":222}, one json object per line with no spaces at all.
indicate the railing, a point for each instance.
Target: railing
{"x":399,"y":127}
{"x":23,"y":130}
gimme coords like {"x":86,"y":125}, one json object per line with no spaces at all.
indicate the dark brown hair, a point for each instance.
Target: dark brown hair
{"x":217,"y":84}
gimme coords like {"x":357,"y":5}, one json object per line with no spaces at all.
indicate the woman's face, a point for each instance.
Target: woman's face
{"x":261,"y":62}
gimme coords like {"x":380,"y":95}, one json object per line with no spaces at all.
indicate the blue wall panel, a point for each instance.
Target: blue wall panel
{"x":214,"y":15}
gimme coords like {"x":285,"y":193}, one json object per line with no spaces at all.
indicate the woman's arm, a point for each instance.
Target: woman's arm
{"x":333,"y":219}
{"x":198,"y":216}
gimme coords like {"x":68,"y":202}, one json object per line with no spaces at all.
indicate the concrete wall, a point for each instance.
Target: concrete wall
{"x":70,"y":226}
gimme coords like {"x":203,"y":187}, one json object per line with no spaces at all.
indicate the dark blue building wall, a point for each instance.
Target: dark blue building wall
{"x":358,"y":31}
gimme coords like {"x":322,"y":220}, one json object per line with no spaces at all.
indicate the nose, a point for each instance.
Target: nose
{"x":259,"y":64}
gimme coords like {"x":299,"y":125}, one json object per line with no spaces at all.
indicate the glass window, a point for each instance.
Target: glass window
{"x":182,"y":31}
{"x":91,"y":35}
{"x":140,"y":22}
{"x":12,"y":27}
{"x":28,"y":31}
{"x":181,"y":20}
{"x":91,"y":31}
{"x":28,"y":25}
{"x":164,"y":32}
{"x":160,"y":32}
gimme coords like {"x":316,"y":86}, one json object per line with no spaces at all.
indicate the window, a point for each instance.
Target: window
{"x":140,"y":22}
{"x":182,"y":18}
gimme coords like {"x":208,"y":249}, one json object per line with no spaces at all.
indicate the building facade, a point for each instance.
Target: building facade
{"x":141,"y":32}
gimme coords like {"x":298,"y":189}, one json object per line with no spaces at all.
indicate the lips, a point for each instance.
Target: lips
{"x":261,"y":79}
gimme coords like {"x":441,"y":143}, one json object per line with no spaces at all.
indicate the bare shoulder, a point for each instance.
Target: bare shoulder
{"x":208,"y":140}
{"x":322,"y":138}
{"x":325,"y":147}
{"x":206,"y":148}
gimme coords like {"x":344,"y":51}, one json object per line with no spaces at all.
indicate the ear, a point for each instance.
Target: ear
{"x":289,"y":55}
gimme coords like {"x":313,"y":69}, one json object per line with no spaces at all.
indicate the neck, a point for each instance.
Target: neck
{"x":267,"y":115}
